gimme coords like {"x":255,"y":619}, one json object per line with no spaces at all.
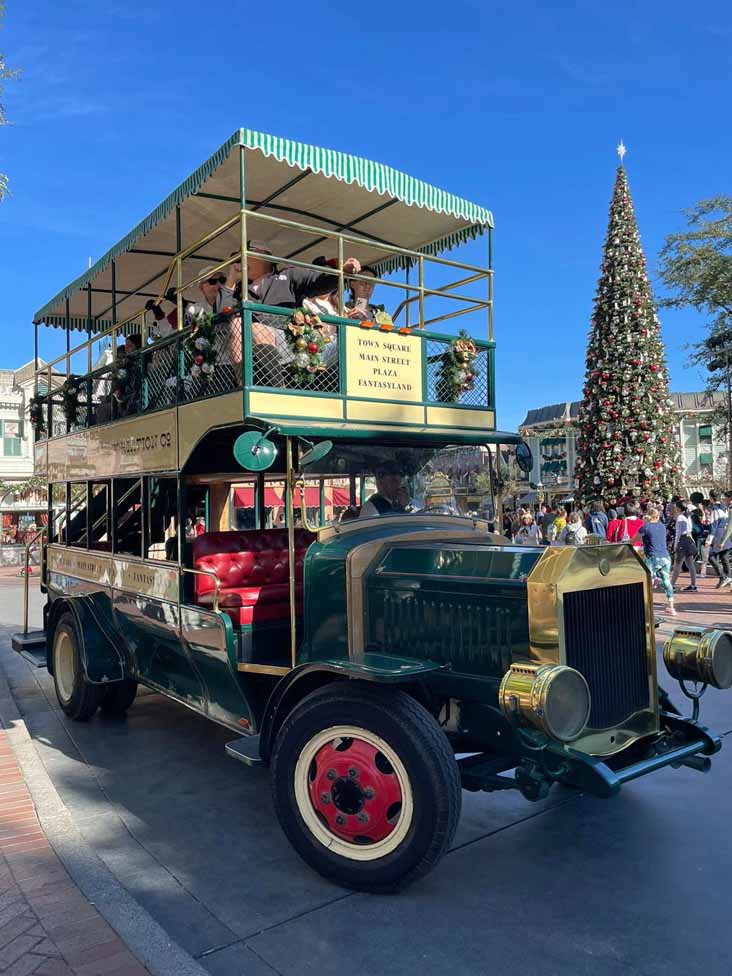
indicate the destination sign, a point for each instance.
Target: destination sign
{"x":383,"y":365}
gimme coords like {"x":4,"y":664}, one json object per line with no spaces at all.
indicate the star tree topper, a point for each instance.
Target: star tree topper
{"x":621,"y":150}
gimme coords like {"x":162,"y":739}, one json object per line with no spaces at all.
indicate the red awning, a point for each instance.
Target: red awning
{"x":244,"y":497}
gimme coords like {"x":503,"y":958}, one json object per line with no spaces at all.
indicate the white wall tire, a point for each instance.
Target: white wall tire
{"x":374,"y":757}
{"x":78,"y":698}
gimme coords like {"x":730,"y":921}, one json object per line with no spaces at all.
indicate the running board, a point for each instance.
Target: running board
{"x":246,"y":750}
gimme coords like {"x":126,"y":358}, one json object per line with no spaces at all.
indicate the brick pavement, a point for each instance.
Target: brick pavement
{"x":709,"y":607}
{"x":47,"y":926}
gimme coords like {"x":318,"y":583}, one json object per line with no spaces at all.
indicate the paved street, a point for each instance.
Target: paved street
{"x":637,"y":885}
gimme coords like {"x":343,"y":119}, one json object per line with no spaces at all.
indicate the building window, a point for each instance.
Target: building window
{"x":11,"y":438}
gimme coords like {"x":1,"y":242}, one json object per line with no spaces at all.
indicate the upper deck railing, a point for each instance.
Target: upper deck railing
{"x":253,"y":355}
{"x":160,"y":373}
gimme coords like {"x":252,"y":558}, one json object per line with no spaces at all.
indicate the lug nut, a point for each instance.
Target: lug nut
{"x":362,"y":817}
{"x":331,"y":774}
{"x":353,"y":772}
{"x":324,"y":798}
{"x":340,"y":820}
{"x":369,"y":793}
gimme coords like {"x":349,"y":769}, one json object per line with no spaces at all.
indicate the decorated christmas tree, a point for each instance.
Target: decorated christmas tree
{"x":626,"y":442}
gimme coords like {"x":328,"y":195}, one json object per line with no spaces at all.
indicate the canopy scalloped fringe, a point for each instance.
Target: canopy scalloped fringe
{"x":370,"y":175}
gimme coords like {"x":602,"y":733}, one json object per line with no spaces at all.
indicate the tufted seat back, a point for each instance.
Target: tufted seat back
{"x":253,"y":569}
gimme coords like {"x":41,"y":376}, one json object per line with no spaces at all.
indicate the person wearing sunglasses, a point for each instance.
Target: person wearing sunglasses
{"x":211,"y":289}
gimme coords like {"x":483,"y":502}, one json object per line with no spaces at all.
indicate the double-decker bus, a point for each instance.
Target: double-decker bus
{"x":358,"y":625}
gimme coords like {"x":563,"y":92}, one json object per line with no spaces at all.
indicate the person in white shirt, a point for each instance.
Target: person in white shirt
{"x":684,"y":546}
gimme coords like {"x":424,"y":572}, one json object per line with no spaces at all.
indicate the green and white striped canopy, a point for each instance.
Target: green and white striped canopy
{"x":302,"y":183}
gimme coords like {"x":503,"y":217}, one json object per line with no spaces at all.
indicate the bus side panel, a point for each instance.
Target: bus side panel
{"x":151,"y":631}
{"x":210,"y":640}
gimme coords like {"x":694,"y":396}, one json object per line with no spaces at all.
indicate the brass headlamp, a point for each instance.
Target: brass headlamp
{"x":552,"y":698}
{"x":695,"y":654}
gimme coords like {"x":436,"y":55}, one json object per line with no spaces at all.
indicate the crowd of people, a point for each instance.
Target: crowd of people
{"x":683,"y":535}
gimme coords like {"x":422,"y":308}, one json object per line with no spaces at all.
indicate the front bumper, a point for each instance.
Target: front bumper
{"x":682,"y":743}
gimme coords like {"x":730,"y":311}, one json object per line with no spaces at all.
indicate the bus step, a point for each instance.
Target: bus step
{"x":31,"y":646}
{"x":246,"y":750}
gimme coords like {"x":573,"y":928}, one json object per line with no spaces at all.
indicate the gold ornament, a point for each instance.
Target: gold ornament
{"x":300,"y":343}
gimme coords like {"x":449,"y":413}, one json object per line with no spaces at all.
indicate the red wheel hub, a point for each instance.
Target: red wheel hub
{"x":355,"y":790}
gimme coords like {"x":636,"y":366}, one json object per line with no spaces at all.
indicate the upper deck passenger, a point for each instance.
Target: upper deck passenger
{"x":288,"y":287}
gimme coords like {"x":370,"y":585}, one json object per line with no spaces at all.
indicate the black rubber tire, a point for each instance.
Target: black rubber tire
{"x":118,"y":697}
{"x":85,"y":697}
{"x":427,"y":756}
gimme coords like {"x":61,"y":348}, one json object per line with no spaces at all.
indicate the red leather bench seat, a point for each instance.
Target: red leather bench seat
{"x":253,"y":569}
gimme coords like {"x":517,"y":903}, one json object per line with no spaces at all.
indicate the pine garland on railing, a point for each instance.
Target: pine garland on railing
{"x":35,"y":415}
{"x":70,"y":400}
{"x":121,"y":377}
{"x":200,"y":344}
{"x":307,"y":339}
{"x":457,"y":370}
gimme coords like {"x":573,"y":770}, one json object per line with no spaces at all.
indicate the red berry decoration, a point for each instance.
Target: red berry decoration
{"x":312,"y":348}
{"x":653,"y":368}
{"x":199,"y":360}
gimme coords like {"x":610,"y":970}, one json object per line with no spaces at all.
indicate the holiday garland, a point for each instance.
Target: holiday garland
{"x":306,"y":338}
{"x":121,"y":376}
{"x":35,"y":414}
{"x":457,"y":372}
{"x":70,"y":400}
{"x":200,"y":343}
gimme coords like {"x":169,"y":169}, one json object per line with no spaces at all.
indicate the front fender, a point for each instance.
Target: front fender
{"x":305,"y":678}
{"x":100,"y":657}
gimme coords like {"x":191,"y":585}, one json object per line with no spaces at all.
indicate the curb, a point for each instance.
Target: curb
{"x":142,"y":935}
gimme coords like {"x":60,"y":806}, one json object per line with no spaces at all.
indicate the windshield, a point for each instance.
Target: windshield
{"x":381,"y":480}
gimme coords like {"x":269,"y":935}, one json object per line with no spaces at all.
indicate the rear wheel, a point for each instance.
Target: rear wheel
{"x":77,"y":697}
{"x":366,"y":786}
{"x":117,"y":697}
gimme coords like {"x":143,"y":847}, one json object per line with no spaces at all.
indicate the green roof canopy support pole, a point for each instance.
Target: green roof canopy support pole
{"x":243,"y":222}
{"x":321,"y":501}
{"x":340,"y":275}
{"x":178,"y":274}
{"x":490,"y":283}
{"x":290,"y":488}
{"x":409,"y":304}
{"x":35,"y":359}
{"x":421,"y":291}
{"x":89,"y":321}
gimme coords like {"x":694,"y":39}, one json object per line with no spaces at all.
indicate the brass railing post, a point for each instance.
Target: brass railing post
{"x":26,"y":592}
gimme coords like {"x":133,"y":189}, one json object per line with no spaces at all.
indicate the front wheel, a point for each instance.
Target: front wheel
{"x":366,"y":786}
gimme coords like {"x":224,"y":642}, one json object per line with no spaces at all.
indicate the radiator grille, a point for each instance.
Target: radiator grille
{"x":605,"y":635}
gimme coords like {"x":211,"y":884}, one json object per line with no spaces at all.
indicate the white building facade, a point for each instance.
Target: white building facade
{"x":23,"y":508}
{"x":551,"y":433}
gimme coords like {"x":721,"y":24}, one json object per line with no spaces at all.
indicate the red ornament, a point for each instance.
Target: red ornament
{"x":199,"y":360}
{"x":312,"y":347}
{"x":653,"y":368}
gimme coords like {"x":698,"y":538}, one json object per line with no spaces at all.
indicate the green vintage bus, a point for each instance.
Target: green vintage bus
{"x":371,"y":638}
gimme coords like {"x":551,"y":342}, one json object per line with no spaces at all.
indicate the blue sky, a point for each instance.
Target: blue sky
{"x":518,"y":107}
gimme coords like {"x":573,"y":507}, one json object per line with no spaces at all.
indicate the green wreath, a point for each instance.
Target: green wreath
{"x":457,"y":373}
{"x":306,"y":338}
